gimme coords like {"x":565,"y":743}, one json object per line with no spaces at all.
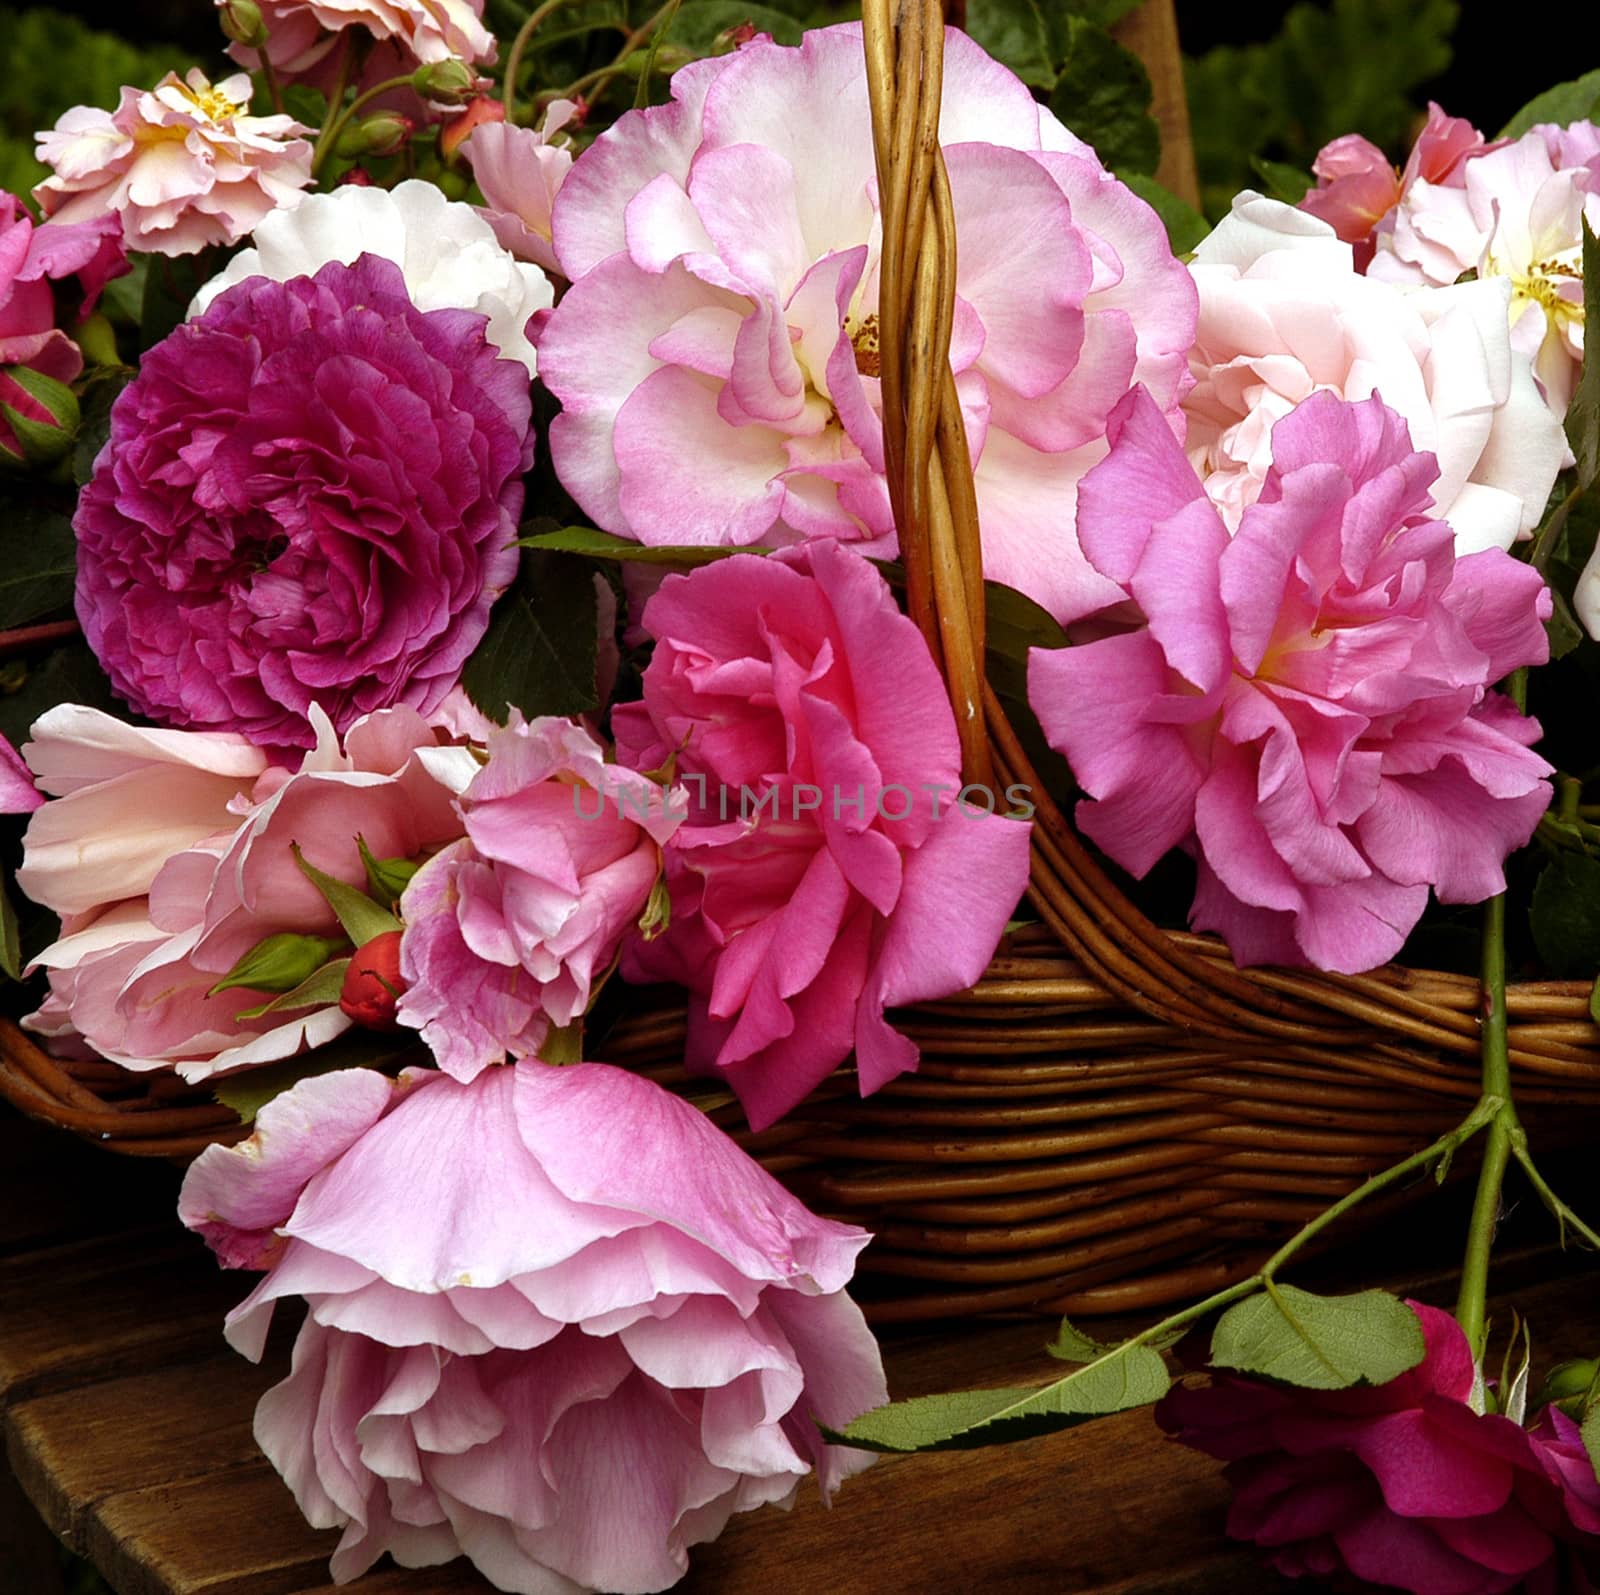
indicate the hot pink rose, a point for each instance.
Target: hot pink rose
{"x":1284,"y":313}
{"x":1308,"y":708}
{"x":826,"y":870}
{"x":570,"y":1371}
{"x":155,"y":919}
{"x":183,"y":164}
{"x":717,"y":355}
{"x":520,"y":172}
{"x":1403,"y":1487}
{"x":509,"y":930}
{"x":18,"y":793}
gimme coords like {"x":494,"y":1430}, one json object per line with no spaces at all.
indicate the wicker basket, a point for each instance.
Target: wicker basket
{"x":1115,"y":1116}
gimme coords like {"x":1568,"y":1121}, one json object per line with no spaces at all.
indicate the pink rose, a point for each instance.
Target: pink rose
{"x":826,"y":870}
{"x":1356,"y":188}
{"x":182,"y":165}
{"x":1284,"y":314}
{"x":18,"y":793}
{"x":509,"y":931}
{"x":1404,"y":1486}
{"x":717,"y":356}
{"x":208,"y":883}
{"x":1308,"y":708}
{"x":569,"y":1372}
{"x":520,"y":172}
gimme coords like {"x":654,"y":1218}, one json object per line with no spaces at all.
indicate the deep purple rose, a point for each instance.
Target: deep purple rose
{"x":309,"y":495}
{"x":1399,"y":1487}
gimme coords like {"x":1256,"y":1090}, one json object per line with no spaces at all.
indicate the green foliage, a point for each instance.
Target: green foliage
{"x":1015,"y":32}
{"x":1279,"y":180}
{"x":1583,"y":414}
{"x":1565,"y":916}
{"x":1319,"y":1342}
{"x":360,"y":917}
{"x":1102,"y":93}
{"x":1591,"y":1437}
{"x":40,"y":565}
{"x":539,"y":654}
{"x":698,"y":23}
{"x":1013,"y":625}
{"x":69,"y":674}
{"x":1575,"y":101}
{"x":1185,"y":225}
{"x":53,"y":62}
{"x":591,"y":544}
{"x":10,"y":938}
{"x":1352,"y":65}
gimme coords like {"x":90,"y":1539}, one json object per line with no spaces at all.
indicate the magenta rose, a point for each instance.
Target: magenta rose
{"x":557,"y":1321}
{"x":309,"y":496}
{"x":1309,"y":705}
{"x":1403,"y":1487}
{"x":510,"y":930}
{"x":826,"y":870}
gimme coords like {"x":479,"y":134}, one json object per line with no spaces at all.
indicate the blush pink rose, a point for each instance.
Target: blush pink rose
{"x":558,"y":1323}
{"x":1403,"y":1486}
{"x":1284,"y":314}
{"x":1308,"y":707}
{"x":717,"y":357}
{"x":183,"y":165}
{"x":153,"y":920}
{"x":520,"y":171}
{"x":509,"y":930}
{"x":826,"y":870}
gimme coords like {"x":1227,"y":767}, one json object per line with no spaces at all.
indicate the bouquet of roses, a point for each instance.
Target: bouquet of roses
{"x":479,"y":511}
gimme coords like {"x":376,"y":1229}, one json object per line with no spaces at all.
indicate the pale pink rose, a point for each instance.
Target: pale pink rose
{"x":131,"y":980}
{"x":1517,"y":215}
{"x":1284,"y":314}
{"x":558,"y":1323}
{"x":826,"y":870}
{"x":509,"y":931}
{"x":305,"y":37}
{"x":1308,"y":708}
{"x":717,"y":356}
{"x":520,"y":171}
{"x":183,"y":164}
{"x":18,"y":793}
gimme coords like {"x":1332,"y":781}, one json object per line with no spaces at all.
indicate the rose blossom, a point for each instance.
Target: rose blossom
{"x":181,"y":164}
{"x":1403,"y":1486}
{"x":1357,"y":189}
{"x":18,"y":793}
{"x":717,"y":355}
{"x":1283,"y":314}
{"x":1307,"y":708}
{"x":826,"y":871}
{"x":171,"y":855}
{"x":508,"y":930}
{"x":447,"y":254}
{"x":309,"y":497}
{"x":558,"y":1322}
{"x":1516,"y":216}
{"x":305,"y":37}
{"x":31,"y":258}
{"x":520,"y":172}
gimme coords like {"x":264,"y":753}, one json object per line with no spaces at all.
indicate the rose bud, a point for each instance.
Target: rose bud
{"x":241,"y":22}
{"x":449,"y":82}
{"x":372,"y":983}
{"x":454,"y":132}
{"x":382,"y":133}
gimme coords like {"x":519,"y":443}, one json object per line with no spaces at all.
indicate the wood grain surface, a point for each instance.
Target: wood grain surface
{"x":127,"y":1423}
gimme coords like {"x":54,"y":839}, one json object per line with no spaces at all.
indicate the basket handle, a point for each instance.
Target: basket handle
{"x":934,"y":500}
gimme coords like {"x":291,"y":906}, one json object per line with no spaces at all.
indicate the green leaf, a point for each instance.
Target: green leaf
{"x":1319,"y":1342}
{"x":1594,"y":1003}
{"x":1014,"y":32}
{"x":1577,"y":100}
{"x":279,"y":963}
{"x":10,"y":940}
{"x":171,"y":281}
{"x":251,"y":1089}
{"x":1591,"y":1437}
{"x":1103,"y":95}
{"x":69,"y":674}
{"x":539,"y":652}
{"x":591,"y":544}
{"x":1072,"y":1345}
{"x":1014,"y":624}
{"x":40,"y":563}
{"x":1563,"y":628}
{"x":1131,"y":1376}
{"x":1565,"y":916}
{"x":322,"y":988}
{"x":95,"y":402}
{"x":700,"y":21}
{"x":1583,"y":414}
{"x":1184,"y":224}
{"x":361,"y":918}
{"x":1282,"y":181}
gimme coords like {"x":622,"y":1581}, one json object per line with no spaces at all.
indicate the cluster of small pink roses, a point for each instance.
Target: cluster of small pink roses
{"x":1283,"y":554}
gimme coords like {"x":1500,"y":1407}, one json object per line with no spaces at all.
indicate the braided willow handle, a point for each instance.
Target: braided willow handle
{"x":935,"y":508}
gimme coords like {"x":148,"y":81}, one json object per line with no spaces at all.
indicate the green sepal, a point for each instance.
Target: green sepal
{"x":387,"y":878}
{"x":563,"y":1044}
{"x":280,"y":963}
{"x":361,"y":918}
{"x":320,"y":989}
{"x":657,"y":913}
{"x":42,"y":444}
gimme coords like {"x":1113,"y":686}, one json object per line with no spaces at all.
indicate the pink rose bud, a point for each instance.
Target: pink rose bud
{"x":382,"y":133}
{"x":486,"y":108}
{"x":42,"y":423}
{"x":733,"y":38}
{"x":241,"y":22}
{"x":372,"y":983}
